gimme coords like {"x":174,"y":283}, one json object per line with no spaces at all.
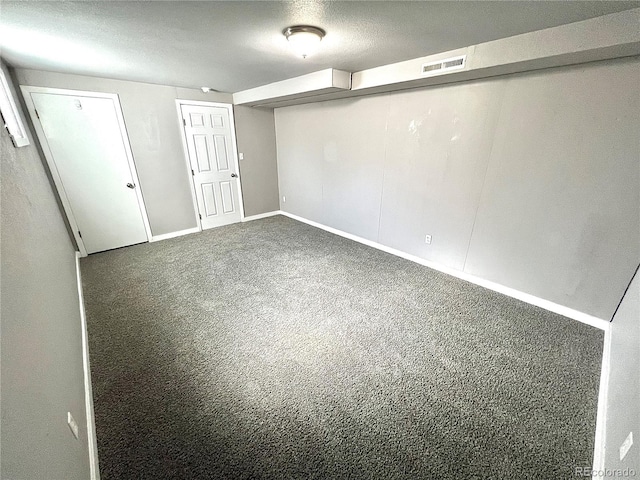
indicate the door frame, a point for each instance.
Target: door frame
{"x":27,"y":90}
{"x":234,"y":152}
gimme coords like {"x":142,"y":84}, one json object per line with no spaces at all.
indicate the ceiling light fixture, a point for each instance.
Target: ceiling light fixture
{"x":304,"y":39}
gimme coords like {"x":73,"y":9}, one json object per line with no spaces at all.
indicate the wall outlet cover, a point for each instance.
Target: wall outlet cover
{"x":73,"y":425}
{"x":427,"y":239}
{"x":626,"y":445}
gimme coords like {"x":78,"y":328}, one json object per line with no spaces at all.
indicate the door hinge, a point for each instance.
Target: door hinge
{"x":193,"y":173}
{"x":200,"y":215}
{"x":37,"y":114}
{"x":184,"y":122}
{"x":79,"y":234}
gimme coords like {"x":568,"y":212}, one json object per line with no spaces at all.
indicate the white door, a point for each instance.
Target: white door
{"x":213,"y":164}
{"x":84,"y":140}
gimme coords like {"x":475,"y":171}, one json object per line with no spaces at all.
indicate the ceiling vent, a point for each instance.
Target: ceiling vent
{"x":442,"y":66}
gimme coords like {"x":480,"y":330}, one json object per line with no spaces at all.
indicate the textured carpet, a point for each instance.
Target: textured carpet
{"x":274,"y":350}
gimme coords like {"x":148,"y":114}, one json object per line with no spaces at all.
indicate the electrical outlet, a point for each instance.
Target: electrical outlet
{"x":73,"y":425}
{"x":241,"y":155}
{"x":427,"y":239}
{"x":626,"y":445}
{"x":284,"y":199}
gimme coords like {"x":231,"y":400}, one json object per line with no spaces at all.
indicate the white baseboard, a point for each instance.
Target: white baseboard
{"x":165,"y":236}
{"x":599,"y":447}
{"x":261,"y":215}
{"x":92,"y":440}
{"x":601,"y":420}
{"x":525,"y":297}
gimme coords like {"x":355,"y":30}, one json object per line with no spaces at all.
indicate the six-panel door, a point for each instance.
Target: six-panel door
{"x":209,"y":144}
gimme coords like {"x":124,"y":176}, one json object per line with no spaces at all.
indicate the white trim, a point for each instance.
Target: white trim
{"x":599,"y":448}
{"x":11,"y":114}
{"x":179,"y":233}
{"x":202,"y":103}
{"x":261,"y":215}
{"x":57,"y":179}
{"x":496,"y":287}
{"x":92,"y":440}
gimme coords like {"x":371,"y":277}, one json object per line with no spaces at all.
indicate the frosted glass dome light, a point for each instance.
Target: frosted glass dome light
{"x":304,"y":39}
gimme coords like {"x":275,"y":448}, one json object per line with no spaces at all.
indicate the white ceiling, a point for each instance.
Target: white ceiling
{"x":235,"y":45}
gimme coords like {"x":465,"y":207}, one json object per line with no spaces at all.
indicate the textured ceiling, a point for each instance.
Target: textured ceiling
{"x":232,"y":46}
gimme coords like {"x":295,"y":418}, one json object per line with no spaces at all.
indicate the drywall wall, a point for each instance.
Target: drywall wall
{"x":529,"y":180}
{"x":154,"y":130}
{"x":332,"y":171}
{"x":623,"y":414}
{"x":558,"y":216}
{"x":256,"y":136}
{"x":41,"y":338}
{"x":437,"y":153}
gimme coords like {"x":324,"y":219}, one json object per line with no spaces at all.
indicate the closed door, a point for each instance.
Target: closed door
{"x":85,"y":142}
{"x":213,"y":164}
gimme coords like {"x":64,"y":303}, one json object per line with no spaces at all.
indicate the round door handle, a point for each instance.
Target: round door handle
{"x":131,"y":185}
{"x":233,"y":175}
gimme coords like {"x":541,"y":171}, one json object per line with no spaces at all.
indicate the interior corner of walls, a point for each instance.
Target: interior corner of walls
{"x":278,"y":183}
{"x":634,"y":278}
{"x":622,"y":385}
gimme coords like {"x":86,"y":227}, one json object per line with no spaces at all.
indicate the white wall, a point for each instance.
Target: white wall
{"x":530,"y":180}
{"x":41,"y":341}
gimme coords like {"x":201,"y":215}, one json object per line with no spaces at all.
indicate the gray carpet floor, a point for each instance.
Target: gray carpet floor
{"x":275,"y":350}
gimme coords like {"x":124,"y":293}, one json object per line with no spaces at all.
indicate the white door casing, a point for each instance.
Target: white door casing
{"x":86,"y":147}
{"x":209,"y":140}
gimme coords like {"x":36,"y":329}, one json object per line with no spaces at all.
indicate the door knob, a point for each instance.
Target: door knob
{"x":233,"y":175}
{"x":131,"y":185}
